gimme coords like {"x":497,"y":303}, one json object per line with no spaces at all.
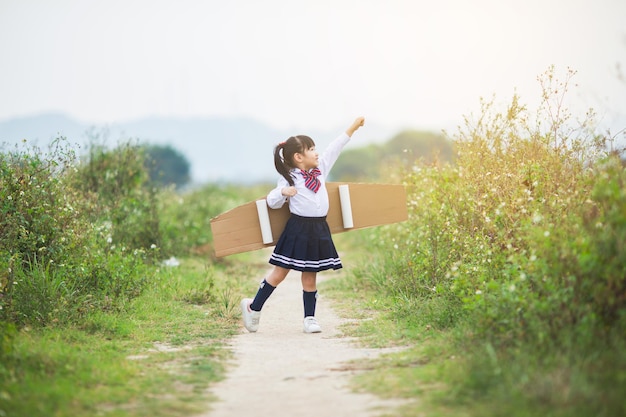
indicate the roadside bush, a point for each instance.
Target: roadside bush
{"x":37,"y":213}
{"x":523,"y":238}
{"x":115,"y":186}
{"x":601,"y":248}
{"x":531,"y":187}
{"x":504,"y":229}
{"x":60,"y":255}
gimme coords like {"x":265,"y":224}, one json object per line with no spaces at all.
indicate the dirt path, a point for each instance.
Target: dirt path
{"x":281,"y":371}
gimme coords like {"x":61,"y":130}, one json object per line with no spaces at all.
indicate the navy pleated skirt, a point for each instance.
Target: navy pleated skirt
{"x":306,"y":245}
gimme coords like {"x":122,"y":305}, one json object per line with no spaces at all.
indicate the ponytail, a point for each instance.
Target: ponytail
{"x":280,"y":164}
{"x":293,"y":145}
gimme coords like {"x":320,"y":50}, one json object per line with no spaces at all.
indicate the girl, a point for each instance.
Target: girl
{"x":306,"y":244}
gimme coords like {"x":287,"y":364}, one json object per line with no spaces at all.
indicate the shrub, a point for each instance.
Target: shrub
{"x":523,"y":240}
{"x":37,"y":214}
{"x":115,"y":187}
{"x":517,"y":229}
{"x":59,"y":258}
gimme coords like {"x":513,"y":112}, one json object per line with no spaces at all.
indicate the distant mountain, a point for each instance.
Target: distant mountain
{"x":218,"y":149}
{"x":41,"y":129}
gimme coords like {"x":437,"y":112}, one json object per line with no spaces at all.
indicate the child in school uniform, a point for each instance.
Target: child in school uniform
{"x":306,"y":244}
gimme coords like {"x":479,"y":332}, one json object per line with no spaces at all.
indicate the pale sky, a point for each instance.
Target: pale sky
{"x":305,"y":64}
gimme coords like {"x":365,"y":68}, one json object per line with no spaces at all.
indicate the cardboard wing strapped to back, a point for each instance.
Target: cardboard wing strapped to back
{"x":352,"y":206}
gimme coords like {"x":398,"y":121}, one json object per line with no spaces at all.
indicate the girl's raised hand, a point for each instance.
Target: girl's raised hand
{"x":358,"y":122}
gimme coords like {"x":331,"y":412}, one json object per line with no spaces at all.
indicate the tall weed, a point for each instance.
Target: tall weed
{"x":60,"y":256}
{"x":37,"y":213}
{"x":523,"y":239}
{"x":116,"y":189}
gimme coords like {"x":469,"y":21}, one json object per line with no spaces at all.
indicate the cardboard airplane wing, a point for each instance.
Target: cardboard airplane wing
{"x":353,"y":206}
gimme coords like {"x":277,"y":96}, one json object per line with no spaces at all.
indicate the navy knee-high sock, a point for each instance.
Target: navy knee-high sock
{"x":264,"y":292}
{"x":310,"y":301}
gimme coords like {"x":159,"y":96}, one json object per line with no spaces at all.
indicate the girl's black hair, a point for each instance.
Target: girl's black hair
{"x":284,"y":163}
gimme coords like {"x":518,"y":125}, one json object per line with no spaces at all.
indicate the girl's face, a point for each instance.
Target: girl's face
{"x":307,"y":160}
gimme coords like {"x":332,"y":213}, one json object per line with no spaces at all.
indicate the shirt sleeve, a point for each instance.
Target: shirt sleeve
{"x":331,"y":153}
{"x":275,"y":198}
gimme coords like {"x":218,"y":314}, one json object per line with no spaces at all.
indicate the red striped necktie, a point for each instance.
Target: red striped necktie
{"x":310,"y":179}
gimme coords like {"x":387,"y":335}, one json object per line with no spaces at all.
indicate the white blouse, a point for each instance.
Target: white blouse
{"x":307,"y":203}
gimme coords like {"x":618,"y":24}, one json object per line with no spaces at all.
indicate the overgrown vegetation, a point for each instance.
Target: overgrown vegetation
{"x":83,"y":287}
{"x":74,"y":237}
{"x":518,"y":249}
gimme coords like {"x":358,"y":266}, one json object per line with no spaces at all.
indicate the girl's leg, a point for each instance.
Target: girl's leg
{"x":277,"y":276}
{"x":269,"y":284}
{"x":309,"y":281}
{"x":309,"y":293}
{"x":251,"y":309}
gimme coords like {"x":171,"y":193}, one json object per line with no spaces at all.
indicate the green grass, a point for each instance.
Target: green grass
{"x":154,"y":358}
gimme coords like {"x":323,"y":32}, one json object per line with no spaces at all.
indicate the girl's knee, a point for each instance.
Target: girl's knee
{"x":277,"y":275}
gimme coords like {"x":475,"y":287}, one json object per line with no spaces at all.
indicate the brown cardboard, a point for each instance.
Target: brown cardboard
{"x":239,"y":230}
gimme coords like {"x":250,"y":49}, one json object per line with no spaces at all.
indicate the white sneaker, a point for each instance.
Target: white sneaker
{"x":250,"y":317}
{"x":311,"y":325}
